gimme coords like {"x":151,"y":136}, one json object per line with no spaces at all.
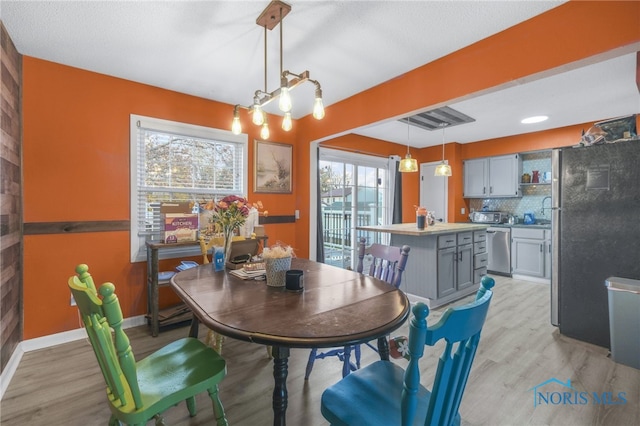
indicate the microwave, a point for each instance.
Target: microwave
{"x":489,"y":217}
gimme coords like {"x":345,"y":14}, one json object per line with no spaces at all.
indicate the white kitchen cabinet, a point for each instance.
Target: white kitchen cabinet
{"x":504,"y":176}
{"x":528,"y":252}
{"x":492,"y":177}
{"x":476,"y":173}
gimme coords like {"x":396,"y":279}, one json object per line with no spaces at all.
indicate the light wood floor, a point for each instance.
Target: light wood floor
{"x":519,"y":349}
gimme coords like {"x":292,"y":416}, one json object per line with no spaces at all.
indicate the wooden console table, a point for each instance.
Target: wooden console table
{"x":175,"y":314}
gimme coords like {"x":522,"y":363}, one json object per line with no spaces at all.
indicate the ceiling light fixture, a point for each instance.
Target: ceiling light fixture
{"x":535,"y":119}
{"x":443,"y":169}
{"x":408,"y":164}
{"x":271,"y":16}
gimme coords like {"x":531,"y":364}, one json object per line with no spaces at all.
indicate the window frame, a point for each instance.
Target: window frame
{"x":138,"y":252}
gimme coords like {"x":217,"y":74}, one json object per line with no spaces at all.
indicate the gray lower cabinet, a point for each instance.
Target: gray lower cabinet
{"x":480,"y":255}
{"x":447,"y":271}
{"x":528,"y":252}
{"x":455,"y":263}
{"x":443,"y":267}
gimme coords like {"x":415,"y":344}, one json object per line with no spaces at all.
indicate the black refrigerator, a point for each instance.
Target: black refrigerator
{"x":596,"y":233}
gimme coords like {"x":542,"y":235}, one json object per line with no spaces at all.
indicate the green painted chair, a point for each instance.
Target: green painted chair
{"x":383,"y":393}
{"x":140,"y":391}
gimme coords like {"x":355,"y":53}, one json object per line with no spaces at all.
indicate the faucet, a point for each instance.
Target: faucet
{"x":543,"y":207}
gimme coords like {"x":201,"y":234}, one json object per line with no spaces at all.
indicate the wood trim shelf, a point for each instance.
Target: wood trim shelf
{"x":42,"y":228}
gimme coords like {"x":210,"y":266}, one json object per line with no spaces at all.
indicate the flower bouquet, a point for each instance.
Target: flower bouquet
{"x":227,"y":216}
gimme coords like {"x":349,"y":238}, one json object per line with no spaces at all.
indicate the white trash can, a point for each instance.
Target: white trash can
{"x":624,"y":320}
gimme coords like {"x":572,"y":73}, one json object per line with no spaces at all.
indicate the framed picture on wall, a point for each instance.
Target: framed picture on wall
{"x":272,"y":167}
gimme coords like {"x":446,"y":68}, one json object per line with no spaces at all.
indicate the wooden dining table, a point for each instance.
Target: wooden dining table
{"x":337,"y":307}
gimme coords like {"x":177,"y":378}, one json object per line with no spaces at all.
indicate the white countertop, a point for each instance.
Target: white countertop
{"x":438,"y":228}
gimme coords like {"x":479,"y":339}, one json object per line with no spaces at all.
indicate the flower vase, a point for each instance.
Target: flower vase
{"x":228,"y":239}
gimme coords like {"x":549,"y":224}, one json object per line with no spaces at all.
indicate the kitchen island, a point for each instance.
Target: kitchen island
{"x":446,"y":262}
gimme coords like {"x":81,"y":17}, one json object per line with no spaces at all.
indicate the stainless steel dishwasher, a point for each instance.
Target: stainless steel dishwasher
{"x":499,"y":249}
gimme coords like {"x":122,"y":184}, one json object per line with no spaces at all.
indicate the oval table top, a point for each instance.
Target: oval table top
{"x":337,"y":307}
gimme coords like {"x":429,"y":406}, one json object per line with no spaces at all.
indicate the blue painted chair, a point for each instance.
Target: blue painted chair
{"x":384,"y":394}
{"x":386,"y":263}
{"x":140,"y":391}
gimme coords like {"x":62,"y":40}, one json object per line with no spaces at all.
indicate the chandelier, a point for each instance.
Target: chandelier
{"x":271,"y":16}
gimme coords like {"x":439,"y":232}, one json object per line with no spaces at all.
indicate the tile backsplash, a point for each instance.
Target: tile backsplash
{"x":532,"y":195}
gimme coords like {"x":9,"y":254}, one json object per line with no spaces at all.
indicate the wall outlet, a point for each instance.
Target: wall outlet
{"x":462,"y":210}
{"x":72,"y":301}
{"x":297,"y":214}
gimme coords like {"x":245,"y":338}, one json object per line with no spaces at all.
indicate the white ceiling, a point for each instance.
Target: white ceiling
{"x":214,"y":50}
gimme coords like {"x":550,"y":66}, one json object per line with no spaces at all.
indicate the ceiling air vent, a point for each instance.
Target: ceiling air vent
{"x":432,"y":120}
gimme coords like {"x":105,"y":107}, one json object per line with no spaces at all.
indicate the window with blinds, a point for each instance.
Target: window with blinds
{"x":173,"y":161}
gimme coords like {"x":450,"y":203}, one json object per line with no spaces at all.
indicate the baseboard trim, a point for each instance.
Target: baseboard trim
{"x":48,"y":341}
{"x":10,"y":369}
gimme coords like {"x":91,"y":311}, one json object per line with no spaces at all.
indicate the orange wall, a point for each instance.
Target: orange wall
{"x":546,"y":43}
{"x":76,"y":168}
{"x":76,"y":143}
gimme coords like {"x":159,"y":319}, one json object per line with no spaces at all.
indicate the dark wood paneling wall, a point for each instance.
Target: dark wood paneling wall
{"x":10,"y":198}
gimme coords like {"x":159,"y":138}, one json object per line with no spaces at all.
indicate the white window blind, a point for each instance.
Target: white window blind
{"x":173,"y":161}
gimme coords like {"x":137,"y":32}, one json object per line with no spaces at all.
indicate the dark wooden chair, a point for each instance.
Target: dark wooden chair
{"x":384,"y":262}
{"x":143,"y":390}
{"x":385,"y":394}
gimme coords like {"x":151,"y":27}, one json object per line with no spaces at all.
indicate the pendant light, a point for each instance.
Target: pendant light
{"x":408,"y":164}
{"x":443,"y":169}
{"x":272,"y":16}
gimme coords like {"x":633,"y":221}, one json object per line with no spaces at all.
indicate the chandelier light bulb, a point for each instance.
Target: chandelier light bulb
{"x":258,"y":115}
{"x":318,"y":109}
{"x":264,"y":132}
{"x":286,"y":122}
{"x":285,"y":99}
{"x":236,"y":127}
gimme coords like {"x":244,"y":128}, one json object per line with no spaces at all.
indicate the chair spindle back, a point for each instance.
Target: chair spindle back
{"x":99,"y":316}
{"x":387,"y":264}
{"x":460,"y":327}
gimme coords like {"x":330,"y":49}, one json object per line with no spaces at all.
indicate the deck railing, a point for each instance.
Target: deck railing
{"x":337,"y":228}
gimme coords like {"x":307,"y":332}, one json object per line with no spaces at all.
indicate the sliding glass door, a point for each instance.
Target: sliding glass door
{"x":354,"y":191}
